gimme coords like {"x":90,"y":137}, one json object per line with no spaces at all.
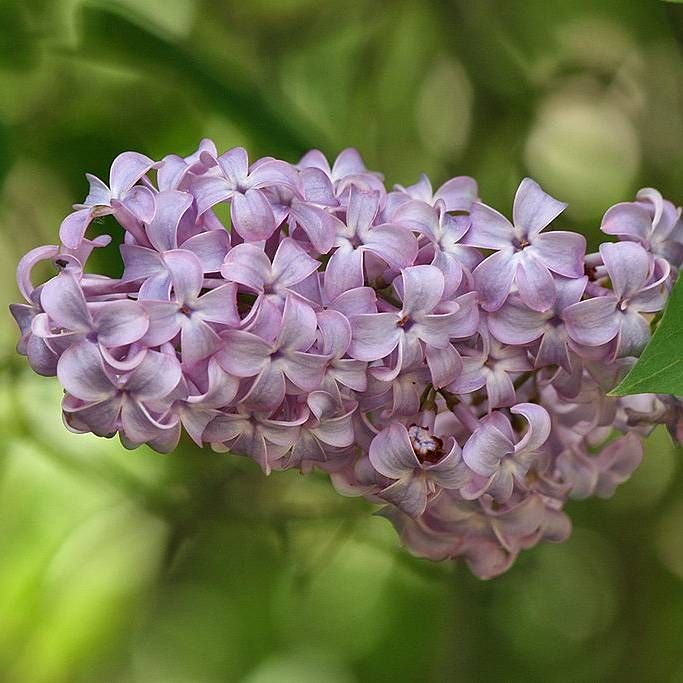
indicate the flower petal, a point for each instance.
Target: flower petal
{"x":81,"y":372}
{"x":392,"y":454}
{"x":535,"y":283}
{"x":493,"y":278}
{"x":628,"y":265}
{"x":560,"y":251}
{"x":252,"y":216}
{"x":170,"y":207}
{"x":534,"y":209}
{"x":592,"y":322}
{"x":375,"y":335}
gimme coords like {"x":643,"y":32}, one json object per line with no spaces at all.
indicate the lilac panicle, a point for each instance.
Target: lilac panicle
{"x":425,"y":351}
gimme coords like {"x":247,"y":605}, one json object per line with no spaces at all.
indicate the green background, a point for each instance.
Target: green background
{"x":190,"y":568}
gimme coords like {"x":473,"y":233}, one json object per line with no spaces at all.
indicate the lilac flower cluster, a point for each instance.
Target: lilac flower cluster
{"x":418,"y":346}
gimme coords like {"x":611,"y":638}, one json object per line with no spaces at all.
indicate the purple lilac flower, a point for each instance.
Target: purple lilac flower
{"x":524,"y":255}
{"x":637,"y":288}
{"x":333,"y":325}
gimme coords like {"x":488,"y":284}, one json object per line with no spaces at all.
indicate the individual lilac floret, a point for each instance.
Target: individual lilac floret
{"x":392,"y":243}
{"x":525,"y":256}
{"x":501,"y":463}
{"x":418,"y":323}
{"x":251,"y":212}
{"x":514,"y":323}
{"x":651,"y":221}
{"x":417,"y":463}
{"x":272,"y":363}
{"x":637,"y":288}
{"x":131,"y":204}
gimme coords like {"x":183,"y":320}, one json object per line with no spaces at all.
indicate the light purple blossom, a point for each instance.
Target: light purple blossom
{"x":637,"y":288}
{"x":418,"y":465}
{"x":525,"y":255}
{"x":333,"y":325}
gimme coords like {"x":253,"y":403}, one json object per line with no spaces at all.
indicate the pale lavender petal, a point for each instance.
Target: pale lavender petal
{"x":375,"y":335}
{"x":534,"y":209}
{"x":219,"y":305}
{"x":569,"y":291}
{"x":450,"y":472}
{"x":318,"y":224}
{"x":73,"y":227}
{"x":98,"y":194}
{"x":516,"y":323}
{"x":164,"y":321}
{"x":243,"y":354}
{"x":186,"y":273}
{"x":28,"y":263}
{"x":391,"y":452}
{"x":422,"y":289}
{"x":62,"y":299}
{"x":348,"y":162}
{"x":252,"y":215}
{"x":458,"y":194}
{"x":235,"y":165}
{"x":155,"y":377}
{"x":493,"y":278}
{"x":628,"y":265}
{"x":299,"y":324}
{"x":344,"y":271}
{"x":210,"y":248}
{"x":490,"y":229}
{"x":291,"y":264}
{"x":500,"y":390}
{"x":485,"y":448}
{"x":392,"y":243}
{"x":305,"y":370}
{"x":592,"y":322}
{"x":170,"y":207}
{"x":335,"y":332}
{"x":140,"y":201}
{"x":409,"y":495}
{"x":140,"y":262}
{"x":81,"y":372}
{"x":247,"y":265}
{"x":209,"y":191}
{"x":535,"y":283}
{"x":628,"y":219}
{"x":633,"y":336}
{"x":126,"y":170}
{"x":445,"y":365}
{"x":538,"y":429}
{"x":272,"y":172}
{"x":119,"y":323}
{"x":100,"y":417}
{"x":553,"y":349}
{"x":268,"y":390}
{"x":351,"y":373}
{"x":560,"y":251}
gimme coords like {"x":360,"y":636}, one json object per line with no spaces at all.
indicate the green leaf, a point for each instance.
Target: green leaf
{"x":659,"y":369}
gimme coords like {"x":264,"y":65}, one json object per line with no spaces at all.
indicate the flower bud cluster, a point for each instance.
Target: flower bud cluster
{"x":424,"y":350}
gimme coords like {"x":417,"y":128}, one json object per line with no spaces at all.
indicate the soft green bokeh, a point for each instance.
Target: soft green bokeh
{"x":192,"y":568}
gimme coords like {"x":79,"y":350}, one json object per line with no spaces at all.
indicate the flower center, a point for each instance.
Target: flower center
{"x":427,"y":447}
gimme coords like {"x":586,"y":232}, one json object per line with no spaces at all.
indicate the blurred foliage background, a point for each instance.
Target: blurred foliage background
{"x":194,"y":568}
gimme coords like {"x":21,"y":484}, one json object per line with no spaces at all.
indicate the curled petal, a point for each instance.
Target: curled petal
{"x":539,"y":426}
{"x":391,"y":452}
